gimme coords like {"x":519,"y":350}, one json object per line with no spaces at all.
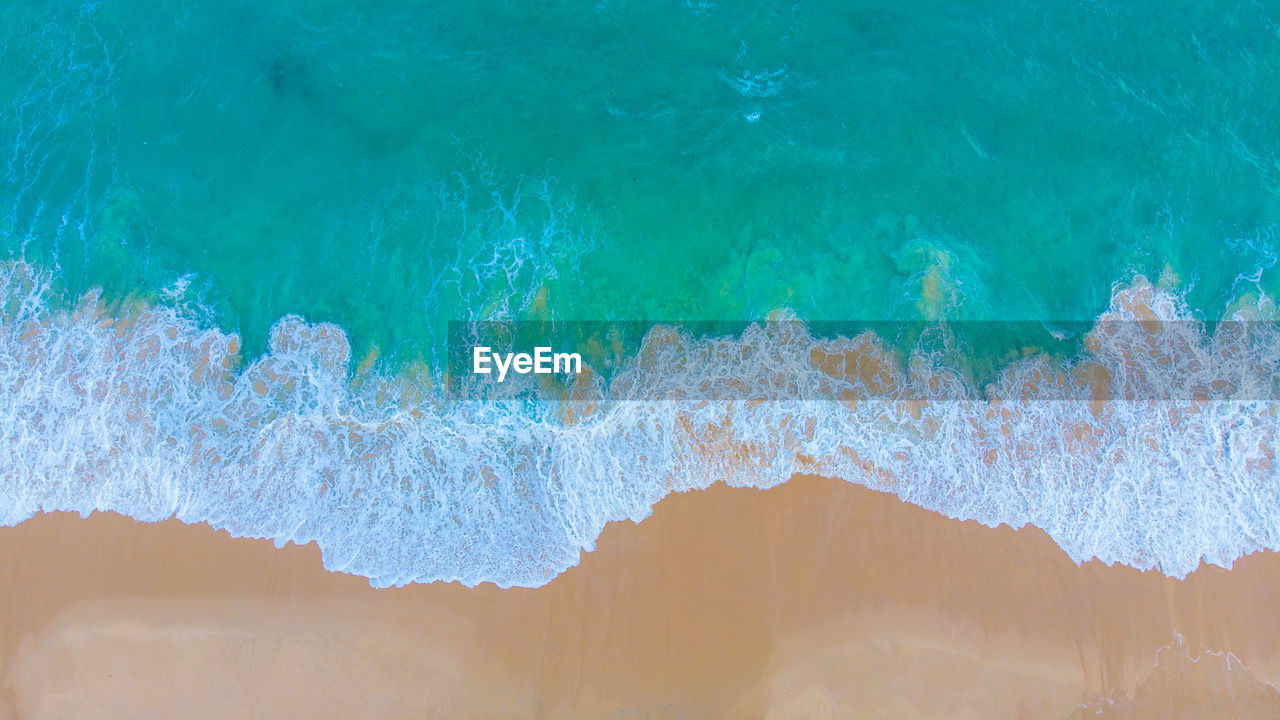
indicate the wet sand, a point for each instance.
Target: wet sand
{"x":817,"y":599}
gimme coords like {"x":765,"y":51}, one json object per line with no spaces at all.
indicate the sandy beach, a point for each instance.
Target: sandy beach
{"x":817,"y":599}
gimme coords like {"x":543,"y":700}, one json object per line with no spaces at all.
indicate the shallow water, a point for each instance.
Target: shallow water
{"x":388,"y":168}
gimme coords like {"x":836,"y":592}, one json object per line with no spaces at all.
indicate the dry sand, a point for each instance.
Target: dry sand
{"x":817,"y":599}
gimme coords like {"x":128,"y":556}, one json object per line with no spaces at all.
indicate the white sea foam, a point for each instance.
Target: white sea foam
{"x":1154,"y":447}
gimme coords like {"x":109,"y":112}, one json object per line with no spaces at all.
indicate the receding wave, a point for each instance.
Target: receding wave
{"x":149,"y":414}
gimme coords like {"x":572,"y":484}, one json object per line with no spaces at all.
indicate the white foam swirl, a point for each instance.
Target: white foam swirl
{"x":153,"y":416}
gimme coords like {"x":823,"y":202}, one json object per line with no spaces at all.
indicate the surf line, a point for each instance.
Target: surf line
{"x":541,"y":362}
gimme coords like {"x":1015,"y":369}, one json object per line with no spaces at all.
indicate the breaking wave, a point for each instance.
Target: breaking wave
{"x":149,"y":414}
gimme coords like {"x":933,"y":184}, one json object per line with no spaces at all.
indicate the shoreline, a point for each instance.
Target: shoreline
{"x":817,"y":598}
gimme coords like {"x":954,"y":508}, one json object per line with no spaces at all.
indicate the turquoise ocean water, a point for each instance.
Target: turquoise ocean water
{"x":312,"y":191}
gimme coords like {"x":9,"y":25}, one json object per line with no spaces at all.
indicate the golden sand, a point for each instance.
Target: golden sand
{"x":817,"y":599}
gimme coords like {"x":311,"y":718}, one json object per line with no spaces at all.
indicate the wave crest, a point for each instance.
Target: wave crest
{"x":153,"y":416}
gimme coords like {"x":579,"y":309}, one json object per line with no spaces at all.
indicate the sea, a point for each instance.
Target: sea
{"x":1014,"y":262}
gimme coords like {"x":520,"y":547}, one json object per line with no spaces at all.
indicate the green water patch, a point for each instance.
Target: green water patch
{"x":392,"y":166}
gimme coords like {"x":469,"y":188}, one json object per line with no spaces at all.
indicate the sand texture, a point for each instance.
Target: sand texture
{"x":817,"y":599}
